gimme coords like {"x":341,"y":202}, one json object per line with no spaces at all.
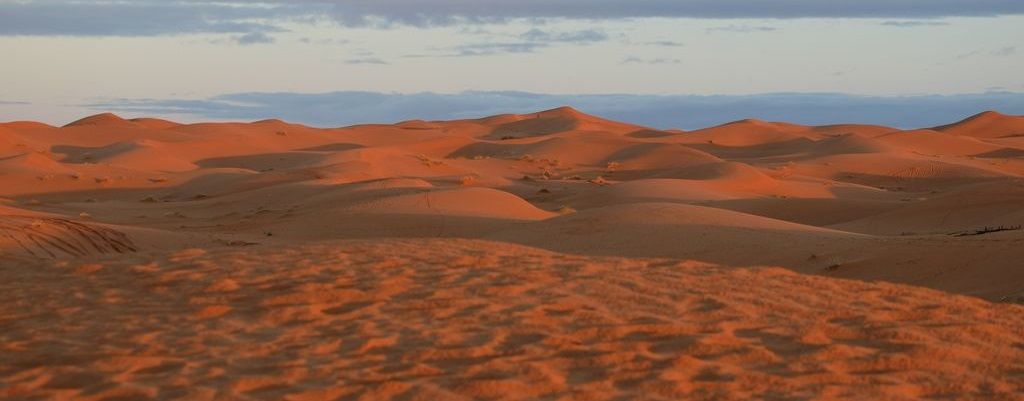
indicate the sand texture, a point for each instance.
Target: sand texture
{"x":464,"y":320}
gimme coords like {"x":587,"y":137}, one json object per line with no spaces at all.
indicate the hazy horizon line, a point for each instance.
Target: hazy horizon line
{"x":664,"y":111}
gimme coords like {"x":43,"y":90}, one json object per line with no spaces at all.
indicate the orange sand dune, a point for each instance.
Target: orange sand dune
{"x":510,"y":257}
{"x":989,"y":124}
{"x":465,"y":320}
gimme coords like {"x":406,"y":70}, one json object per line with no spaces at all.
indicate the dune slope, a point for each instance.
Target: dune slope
{"x":463,"y":320}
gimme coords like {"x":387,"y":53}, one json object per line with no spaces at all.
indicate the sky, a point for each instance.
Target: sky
{"x":663,"y":63}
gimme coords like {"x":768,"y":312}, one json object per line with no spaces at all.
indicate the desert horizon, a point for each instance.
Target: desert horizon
{"x":497,"y":200}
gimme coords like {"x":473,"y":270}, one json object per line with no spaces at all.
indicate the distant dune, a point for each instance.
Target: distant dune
{"x":551,"y":255}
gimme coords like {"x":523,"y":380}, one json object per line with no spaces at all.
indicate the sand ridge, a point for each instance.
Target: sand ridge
{"x":895,"y":197}
{"x":460,"y":320}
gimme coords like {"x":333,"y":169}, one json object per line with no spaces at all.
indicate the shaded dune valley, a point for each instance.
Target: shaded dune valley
{"x":546,"y":256}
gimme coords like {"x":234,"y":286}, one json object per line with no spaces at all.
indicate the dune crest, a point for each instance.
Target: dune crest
{"x":549,"y":179}
{"x":988,"y":124}
{"x":103,"y":119}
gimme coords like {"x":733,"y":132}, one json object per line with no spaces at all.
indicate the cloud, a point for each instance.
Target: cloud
{"x":527,"y":42}
{"x":366,"y":60}
{"x":162,"y":17}
{"x":742,"y":29}
{"x":665,"y":43}
{"x":487,"y":49}
{"x":578,"y":37}
{"x":661,"y":111}
{"x":13,"y":103}
{"x":254,"y":38}
{"x":658,"y":60}
{"x":325,"y":41}
{"x":964,"y":56}
{"x":914,"y":24}
{"x":1006,"y":51}
{"x":1000,"y":52}
{"x":133,"y":18}
{"x":446,"y":12}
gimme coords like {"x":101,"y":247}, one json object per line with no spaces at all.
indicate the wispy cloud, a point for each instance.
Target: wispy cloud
{"x":742,"y":29}
{"x":665,"y":43}
{"x":1000,"y":52}
{"x":325,"y":41}
{"x":914,"y":23}
{"x":1005,"y":51}
{"x":254,"y":38}
{"x":527,"y":42}
{"x":138,"y":17}
{"x":161,"y":17}
{"x":964,"y":56}
{"x":366,"y":60}
{"x":447,"y":12}
{"x":657,"y":60}
{"x":578,"y":37}
{"x":487,"y":49}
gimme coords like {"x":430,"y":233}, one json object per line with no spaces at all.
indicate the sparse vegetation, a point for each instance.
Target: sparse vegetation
{"x":427,"y":161}
{"x":564,"y":210}
{"x":985,"y":230}
{"x":1017,"y":298}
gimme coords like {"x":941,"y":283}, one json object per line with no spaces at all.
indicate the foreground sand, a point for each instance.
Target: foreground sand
{"x":461,"y":320}
{"x":553,"y":255}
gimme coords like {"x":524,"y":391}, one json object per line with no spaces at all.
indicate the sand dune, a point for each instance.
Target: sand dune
{"x":510,"y":257}
{"x":683,"y":231}
{"x":739,"y":133}
{"x":462,"y":320}
{"x":938,"y":143}
{"x":564,"y":119}
{"x":989,"y":124}
{"x":49,"y":237}
{"x":511,"y":176}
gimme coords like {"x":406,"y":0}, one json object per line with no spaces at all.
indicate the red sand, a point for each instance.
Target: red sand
{"x":553,"y":255}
